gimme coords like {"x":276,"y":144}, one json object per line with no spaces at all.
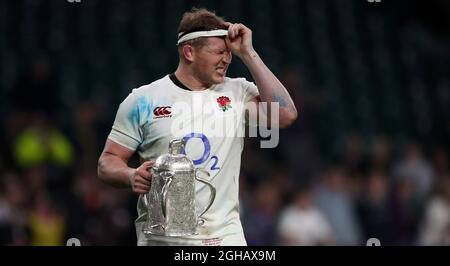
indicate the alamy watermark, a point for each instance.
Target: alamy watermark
{"x":74,"y":242}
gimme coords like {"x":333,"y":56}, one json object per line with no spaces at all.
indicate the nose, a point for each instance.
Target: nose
{"x":227,"y":57}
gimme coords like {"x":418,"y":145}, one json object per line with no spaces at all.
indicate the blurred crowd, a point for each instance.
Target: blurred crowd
{"x":400,"y":200}
{"x":295,"y":194}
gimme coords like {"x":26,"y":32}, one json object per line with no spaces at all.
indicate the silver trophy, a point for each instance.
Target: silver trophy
{"x":171,"y":199}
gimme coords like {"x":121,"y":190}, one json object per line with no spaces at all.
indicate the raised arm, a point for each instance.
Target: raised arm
{"x":270,"y":88}
{"x":113,"y":169}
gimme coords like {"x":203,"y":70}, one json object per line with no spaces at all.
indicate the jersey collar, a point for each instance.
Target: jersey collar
{"x":177,"y":82}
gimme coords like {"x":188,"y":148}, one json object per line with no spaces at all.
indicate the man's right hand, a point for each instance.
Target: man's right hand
{"x":140,"y":180}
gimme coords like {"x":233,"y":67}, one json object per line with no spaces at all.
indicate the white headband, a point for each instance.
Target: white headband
{"x":198,"y":34}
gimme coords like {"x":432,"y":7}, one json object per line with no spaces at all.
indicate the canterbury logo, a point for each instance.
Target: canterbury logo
{"x":162,"y":111}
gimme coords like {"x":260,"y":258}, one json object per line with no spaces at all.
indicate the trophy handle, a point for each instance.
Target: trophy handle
{"x":212,"y":195}
{"x":145,"y":196}
{"x":145,"y":199}
{"x":164,"y":191}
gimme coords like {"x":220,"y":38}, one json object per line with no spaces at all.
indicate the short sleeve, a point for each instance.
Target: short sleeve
{"x":250,"y":92}
{"x":126,"y":129}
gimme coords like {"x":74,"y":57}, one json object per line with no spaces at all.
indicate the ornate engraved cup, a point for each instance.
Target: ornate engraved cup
{"x":171,"y":199}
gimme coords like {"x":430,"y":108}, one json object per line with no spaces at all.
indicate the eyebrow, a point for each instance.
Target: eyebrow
{"x":214,"y":48}
{"x":217,"y":49}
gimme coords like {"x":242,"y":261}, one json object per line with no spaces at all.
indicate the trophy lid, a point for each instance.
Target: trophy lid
{"x":175,"y":160}
{"x":176,"y":146}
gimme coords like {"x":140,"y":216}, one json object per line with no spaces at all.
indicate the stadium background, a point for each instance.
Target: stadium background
{"x":369,"y":151}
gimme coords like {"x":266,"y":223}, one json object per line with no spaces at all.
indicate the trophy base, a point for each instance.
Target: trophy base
{"x":170,"y":234}
{"x":159,"y":230}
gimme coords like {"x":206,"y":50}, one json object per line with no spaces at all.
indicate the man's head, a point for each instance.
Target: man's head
{"x":202,"y":47}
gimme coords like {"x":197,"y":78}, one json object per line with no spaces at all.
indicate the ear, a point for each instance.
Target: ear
{"x":188,"y":52}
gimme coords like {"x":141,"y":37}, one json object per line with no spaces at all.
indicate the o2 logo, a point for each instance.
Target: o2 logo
{"x":206,"y":152}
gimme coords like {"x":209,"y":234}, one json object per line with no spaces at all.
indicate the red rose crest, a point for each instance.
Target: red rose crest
{"x":224,"y":103}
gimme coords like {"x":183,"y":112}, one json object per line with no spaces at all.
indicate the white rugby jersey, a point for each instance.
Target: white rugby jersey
{"x":212,"y":123}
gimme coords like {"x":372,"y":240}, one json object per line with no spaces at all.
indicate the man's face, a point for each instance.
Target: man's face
{"x":211,"y":61}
